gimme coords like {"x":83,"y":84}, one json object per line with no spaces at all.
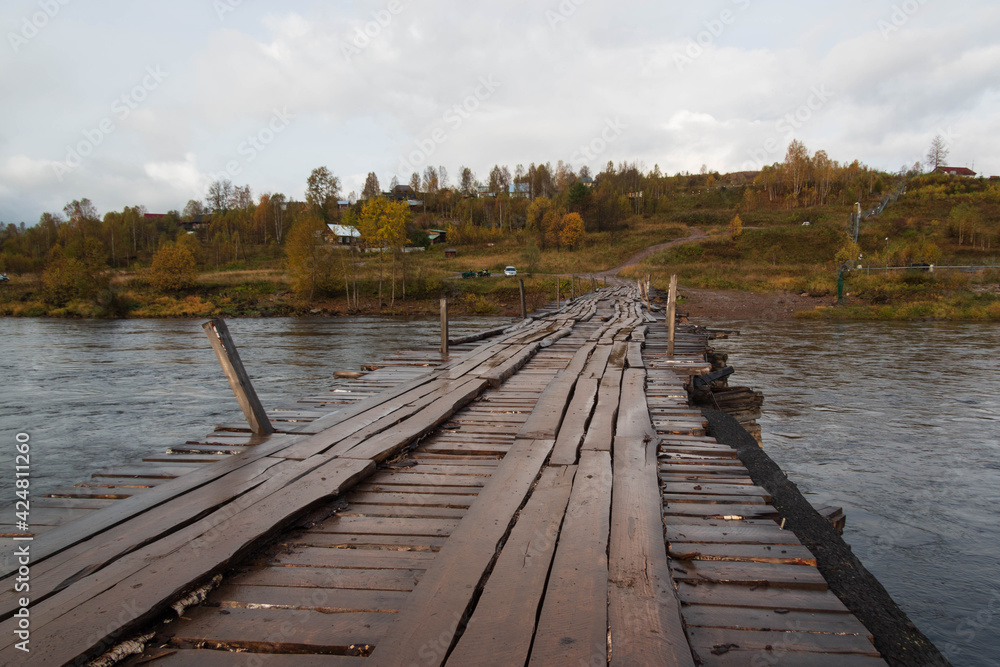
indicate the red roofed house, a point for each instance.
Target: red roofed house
{"x":956,"y":171}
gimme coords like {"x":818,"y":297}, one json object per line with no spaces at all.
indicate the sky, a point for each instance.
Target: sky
{"x":146,"y":103}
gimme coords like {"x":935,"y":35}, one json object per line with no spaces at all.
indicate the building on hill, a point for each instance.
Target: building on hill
{"x":965,"y":172}
{"x":343,"y":235}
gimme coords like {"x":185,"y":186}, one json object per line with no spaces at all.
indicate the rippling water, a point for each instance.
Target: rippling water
{"x":92,"y":394}
{"x":900,"y":425}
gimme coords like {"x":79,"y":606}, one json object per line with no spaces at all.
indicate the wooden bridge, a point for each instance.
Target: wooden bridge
{"x":543,"y":496}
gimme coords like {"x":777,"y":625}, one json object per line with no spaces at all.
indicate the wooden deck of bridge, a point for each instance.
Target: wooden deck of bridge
{"x":545,"y":497}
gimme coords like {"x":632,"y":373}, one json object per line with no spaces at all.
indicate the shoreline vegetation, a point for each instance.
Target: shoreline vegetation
{"x":750,"y":245}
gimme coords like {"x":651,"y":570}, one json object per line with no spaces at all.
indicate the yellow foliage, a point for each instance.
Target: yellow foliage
{"x":174,"y":268}
{"x":735,"y":227}
{"x":572,"y":230}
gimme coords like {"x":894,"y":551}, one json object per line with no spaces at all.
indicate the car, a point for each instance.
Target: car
{"x":806,"y":223}
{"x":510,"y":271}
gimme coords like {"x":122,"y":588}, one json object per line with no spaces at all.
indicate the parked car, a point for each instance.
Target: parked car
{"x":510,"y":271}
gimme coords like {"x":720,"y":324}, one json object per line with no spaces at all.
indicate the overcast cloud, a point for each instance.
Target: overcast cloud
{"x":145,"y":103}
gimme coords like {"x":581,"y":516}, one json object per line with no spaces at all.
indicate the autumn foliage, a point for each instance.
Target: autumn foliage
{"x":174,"y":268}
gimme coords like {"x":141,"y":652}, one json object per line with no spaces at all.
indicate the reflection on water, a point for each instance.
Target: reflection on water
{"x":93,"y":394}
{"x":898,"y":424}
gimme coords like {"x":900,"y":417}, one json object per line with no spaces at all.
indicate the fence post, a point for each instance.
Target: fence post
{"x":444,"y":327}
{"x":524,"y":303}
{"x":225,"y":349}
{"x":672,"y":315}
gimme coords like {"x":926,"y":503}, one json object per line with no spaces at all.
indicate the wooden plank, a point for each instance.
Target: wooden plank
{"x":327,"y":600}
{"x":736,"y":595}
{"x":779,"y":619}
{"x":349,"y":541}
{"x":386,"y":526}
{"x":755,"y":553}
{"x":643,"y":612}
{"x":278,"y":629}
{"x":503,"y":623}
{"x":372,"y":559}
{"x":749,"y":574}
{"x":737,"y":533}
{"x":600,"y":432}
{"x":779,"y":658}
{"x":449,"y":586}
{"x":574,"y":426}
{"x":173,"y":657}
{"x":704,"y":639}
{"x":54,"y":573}
{"x":312,"y":578}
{"x":392,"y":440}
{"x":63,"y":625}
{"x":573,"y":623}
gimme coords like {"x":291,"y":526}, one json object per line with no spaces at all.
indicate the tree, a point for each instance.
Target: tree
{"x":371,"y":189}
{"x":308,"y":256}
{"x":796,"y":166}
{"x":193,"y":209}
{"x":938,"y":153}
{"x":322,"y":192}
{"x":383,"y":226}
{"x":735,"y":227}
{"x":220,"y":196}
{"x":415,"y":182}
{"x":467,"y":182}
{"x":572,"y":230}
{"x":173,"y":268}
{"x":430,"y":180}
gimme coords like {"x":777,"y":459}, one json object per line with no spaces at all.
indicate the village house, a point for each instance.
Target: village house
{"x":965,"y":172}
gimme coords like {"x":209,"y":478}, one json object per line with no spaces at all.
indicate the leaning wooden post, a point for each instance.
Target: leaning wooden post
{"x":558,"y":286}
{"x":225,"y":349}
{"x":572,"y":288}
{"x":672,"y":315}
{"x":444,"y":327}
{"x":524,"y":303}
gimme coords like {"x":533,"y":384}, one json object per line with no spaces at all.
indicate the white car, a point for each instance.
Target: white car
{"x":510,"y":271}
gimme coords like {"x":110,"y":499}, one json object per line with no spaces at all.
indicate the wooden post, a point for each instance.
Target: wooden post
{"x":524,"y":303}
{"x":558,"y":287}
{"x":225,"y":349}
{"x":672,"y":315}
{"x":444,"y":327}
{"x":572,"y":288}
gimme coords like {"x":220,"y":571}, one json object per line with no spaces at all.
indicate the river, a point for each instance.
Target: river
{"x":897,"y":423}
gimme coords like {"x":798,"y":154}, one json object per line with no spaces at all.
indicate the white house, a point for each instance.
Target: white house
{"x":344,"y":234}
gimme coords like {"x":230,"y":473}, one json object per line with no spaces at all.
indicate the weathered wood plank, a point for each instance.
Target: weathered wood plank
{"x":447,"y":589}
{"x":643,"y":612}
{"x":64,"y":624}
{"x":502,"y":627}
{"x":573,"y":623}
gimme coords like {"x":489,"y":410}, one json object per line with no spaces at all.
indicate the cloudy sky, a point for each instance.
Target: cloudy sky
{"x":146,"y":102}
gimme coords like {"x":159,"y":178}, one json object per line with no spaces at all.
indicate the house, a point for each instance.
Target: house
{"x":450,"y":253}
{"x":343,"y":204}
{"x":343,"y":234}
{"x":400,"y":193}
{"x":587,"y":181}
{"x":416,"y":205}
{"x":520,"y":190}
{"x":437,"y":235}
{"x":190,"y":226}
{"x":965,"y":172}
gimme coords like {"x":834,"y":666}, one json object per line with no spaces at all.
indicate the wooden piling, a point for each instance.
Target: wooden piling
{"x":558,"y":286}
{"x":444,"y":327}
{"x":524,"y":303}
{"x":225,"y":349}
{"x":672,"y":315}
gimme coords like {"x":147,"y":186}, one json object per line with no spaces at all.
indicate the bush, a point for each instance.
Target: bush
{"x":173,"y":269}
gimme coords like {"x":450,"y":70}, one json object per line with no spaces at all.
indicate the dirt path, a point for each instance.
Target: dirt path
{"x":724,"y":304}
{"x":696,"y":235}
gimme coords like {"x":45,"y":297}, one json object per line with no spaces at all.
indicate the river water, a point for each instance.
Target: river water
{"x":898,"y":424}
{"x":92,"y":394}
